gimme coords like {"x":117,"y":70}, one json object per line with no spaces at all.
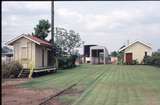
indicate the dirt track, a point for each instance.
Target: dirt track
{"x":12,"y":95}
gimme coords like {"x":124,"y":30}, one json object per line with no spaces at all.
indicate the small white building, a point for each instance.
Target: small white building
{"x":99,"y":55}
{"x":30,"y":49}
{"x":136,"y":51}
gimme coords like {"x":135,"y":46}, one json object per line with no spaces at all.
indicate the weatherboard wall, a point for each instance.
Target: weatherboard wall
{"x":138,"y":51}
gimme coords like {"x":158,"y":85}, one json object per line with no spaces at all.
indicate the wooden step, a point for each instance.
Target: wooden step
{"x":24,"y":74}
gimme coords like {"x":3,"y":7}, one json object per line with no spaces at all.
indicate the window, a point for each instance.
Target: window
{"x":145,"y":53}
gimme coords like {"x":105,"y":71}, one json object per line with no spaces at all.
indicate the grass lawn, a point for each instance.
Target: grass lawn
{"x":105,"y":84}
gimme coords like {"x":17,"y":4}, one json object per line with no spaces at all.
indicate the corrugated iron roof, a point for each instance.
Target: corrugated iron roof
{"x":41,"y":41}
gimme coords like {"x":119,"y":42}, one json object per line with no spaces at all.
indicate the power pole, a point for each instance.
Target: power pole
{"x":52,"y":35}
{"x":52,"y":22}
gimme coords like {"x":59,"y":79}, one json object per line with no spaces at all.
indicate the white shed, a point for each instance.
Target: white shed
{"x":99,"y":55}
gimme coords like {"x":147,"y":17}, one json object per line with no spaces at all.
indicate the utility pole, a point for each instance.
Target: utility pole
{"x":52,"y":22}
{"x":52,"y":35}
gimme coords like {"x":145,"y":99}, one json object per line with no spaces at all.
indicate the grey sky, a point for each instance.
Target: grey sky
{"x":109,"y":23}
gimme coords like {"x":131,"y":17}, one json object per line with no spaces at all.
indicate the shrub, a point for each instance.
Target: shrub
{"x":11,"y":70}
{"x":120,"y":61}
{"x":152,"y":60}
{"x":66,"y":61}
{"x":156,"y":58}
{"x":148,"y":60}
{"x":135,"y":62}
{"x":124,"y":63}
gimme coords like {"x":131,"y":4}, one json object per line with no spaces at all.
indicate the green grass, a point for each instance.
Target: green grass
{"x":106,"y":84}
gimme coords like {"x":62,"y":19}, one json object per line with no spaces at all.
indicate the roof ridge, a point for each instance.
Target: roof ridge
{"x":134,"y":43}
{"x":40,"y":38}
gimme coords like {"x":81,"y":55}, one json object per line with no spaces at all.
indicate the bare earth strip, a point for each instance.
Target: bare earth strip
{"x":12,"y":95}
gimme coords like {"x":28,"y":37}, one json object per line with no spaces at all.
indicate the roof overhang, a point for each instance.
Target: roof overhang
{"x":134,"y":43}
{"x":23,"y":35}
{"x":97,"y":47}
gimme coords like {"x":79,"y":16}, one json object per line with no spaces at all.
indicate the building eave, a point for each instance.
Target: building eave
{"x":23,"y":35}
{"x":134,"y":43}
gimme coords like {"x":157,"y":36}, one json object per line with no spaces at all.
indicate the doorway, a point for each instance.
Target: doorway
{"x":129,"y":58}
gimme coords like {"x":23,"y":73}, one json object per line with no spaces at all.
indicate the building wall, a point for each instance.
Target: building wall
{"x":138,"y":51}
{"x":27,"y":53}
{"x":87,"y":59}
{"x":24,"y":52}
{"x":39,"y":56}
{"x":114,"y":60}
{"x":97,"y":60}
{"x":45,"y":57}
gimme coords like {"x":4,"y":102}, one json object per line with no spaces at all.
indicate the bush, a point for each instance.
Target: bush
{"x":152,"y":60}
{"x":148,"y":60}
{"x":156,"y":59}
{"x":135,"y":62}
{"x":11,"y":70}
{"x":120,"y":62}
{"x":66,"y":61}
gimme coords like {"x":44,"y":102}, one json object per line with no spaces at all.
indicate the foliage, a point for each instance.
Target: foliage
{"x":58,"y":51}
{"x":114,"y":54}
{"x":42,"y":29}
{"x":67,"y":41}
{"x":11,"y":70}
{"x":64,"y":47}
{"x":148,"y":60}
{"x":120,"y":57}
{"x":135,"y":62}
{"x":120,"y":62}
{"x":152,"y":60}
{"x":66,"y":61}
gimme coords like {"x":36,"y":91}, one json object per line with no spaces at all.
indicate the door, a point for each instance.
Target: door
{"x":129,"y":58}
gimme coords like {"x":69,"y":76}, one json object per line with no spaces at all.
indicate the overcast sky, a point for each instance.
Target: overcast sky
{"x":106,"y":23}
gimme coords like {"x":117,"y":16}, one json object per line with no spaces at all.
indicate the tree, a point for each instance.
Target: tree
{"x":67,"y":41}
{"x":120,"y":56}
{"x":114,"y":54}
{"x":42,"y":29}
{"x":152,"y":60}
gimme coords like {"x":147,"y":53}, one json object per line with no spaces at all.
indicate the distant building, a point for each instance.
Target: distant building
{"x":136,"y":51}
{"x":99,"y":55}
{"x":86,"y":53}
{"x":158,"y":50}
